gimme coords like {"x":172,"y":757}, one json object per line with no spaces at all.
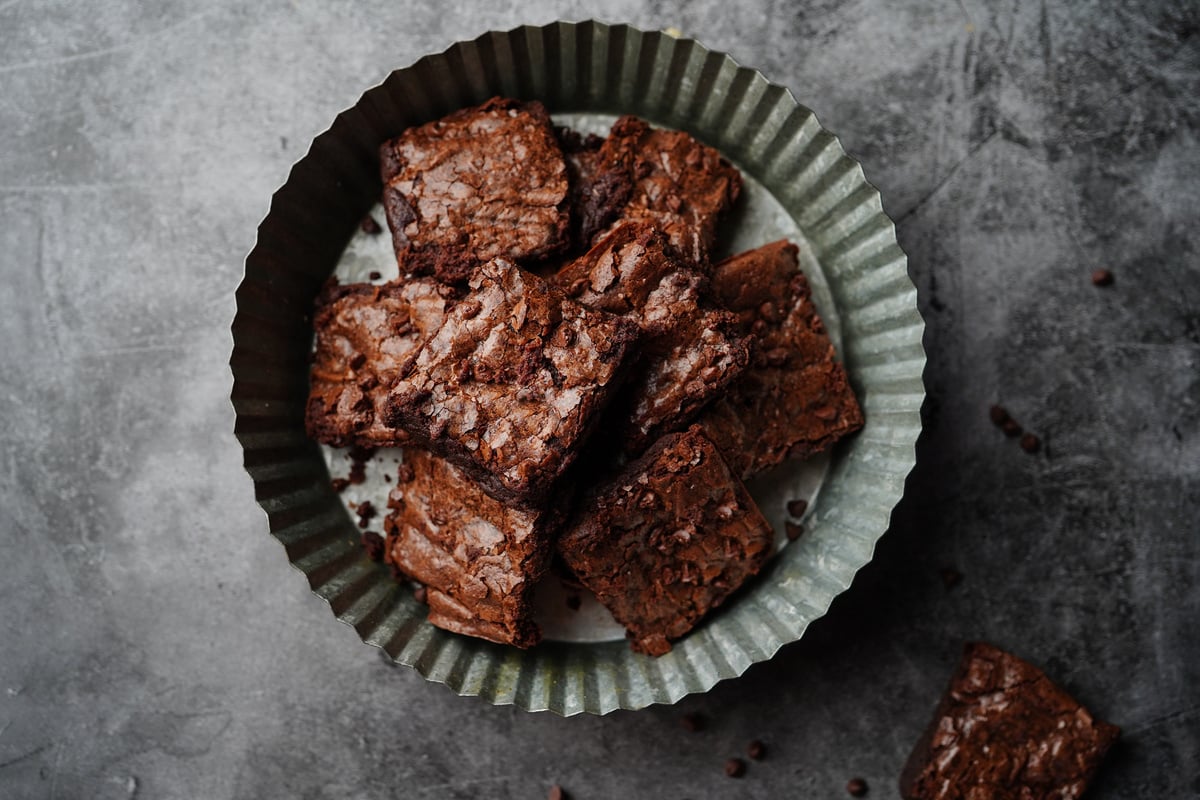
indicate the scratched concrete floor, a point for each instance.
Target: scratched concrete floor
{"x":153,"y":641}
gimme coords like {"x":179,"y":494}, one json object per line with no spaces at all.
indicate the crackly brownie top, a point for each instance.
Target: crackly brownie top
{"x":1005,"y":731}
{"x":477,"y":557}
{"x":482,"y":183}
{"x":667,"y":540}
{"x":364,"y":336}
{"x":691,"y":352}
{"x":678,"y":183}
{"x":795,"y":398}
{"x":511,"y":383}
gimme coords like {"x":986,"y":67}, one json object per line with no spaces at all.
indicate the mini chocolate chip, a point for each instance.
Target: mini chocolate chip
{"x":794,"y":530}
{"x":950,"y":577}
{"x":1102,"y":277}
{"x":374,"y":275}
{"x":756,"y":750}
{"x":998,"y":414}
{"x":1030,"y":443}
{"x":339,"y":484}
{"x":735,"y":768}
{"x":369,"y":225}
{"x":693,"y":722}
{"x":797,"y":508}
{"x":857,"y":787}
{"x":357,"y":360}
{"x":574,"y":602}
{"x":421,"y":594}
{"x":374,"y":545}
{"x":1011,"y":428}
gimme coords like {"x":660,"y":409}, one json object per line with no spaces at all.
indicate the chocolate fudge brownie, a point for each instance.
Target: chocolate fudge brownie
{"x":690,"y":352}
{"x":1004,"y":731}
{"x":795,"y":399}
{"x":667,"y":540}
{"x":364,"y":336}
{"x":596,"y":196}
{"x":678,"y":183}
{"x":512,"y":383}
{"x":482,"y":183}
{"x":477,"y":557}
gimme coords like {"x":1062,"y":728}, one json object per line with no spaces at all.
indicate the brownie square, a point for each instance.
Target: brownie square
{"x":667,"y":540}
{"x":364,"y":336}
{"x":795,"y":399}
{"x":690,"y":352}
{"x":478,"y":558}
{"x":1003,"y":730}
{"x":596,"y":196}
{"x":482,"y":183}
{"x":678,"y":183}
{"x":512,"y":383}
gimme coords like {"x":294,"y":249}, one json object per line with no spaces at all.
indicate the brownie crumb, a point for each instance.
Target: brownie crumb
{"x":557,"y":793}
{"x":421,"y":595}
{"x":574,"y":602}
{"x":797,"y":508}
{"x":999,"y":415}
{"x":857,"y":787}
{"x":374,"y":545}
{"x":950,"y":577}
{"x":366,"y":512}
{"x":794,"y":530}
{"x":1031,"y":443}
{"x":374,"y":275}
{"x":756,"y":750}
{"x":358,"y":472}
{"x":693,"y":722}
{"x":404,"y":474}
{"x":369,"y":225}
{"x":339,"y":484}
{"x":359,"y":456}
{"x":735,"y":768}
{"x":1102,"y":277}
{"x":1011,"y":429}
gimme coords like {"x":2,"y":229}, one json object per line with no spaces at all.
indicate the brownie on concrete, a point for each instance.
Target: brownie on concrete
{"x":678,"y":183}
{"x":1004,"y":731}
{"x":690,"y":351}
{"x":795,"y":399}
{"x":667,"y":540}
{"x":482,"y":183}
{"x":596,"y":196}
{"x":513,"y":382}
{"x":364,"y":336}
{"x":478,"y":558}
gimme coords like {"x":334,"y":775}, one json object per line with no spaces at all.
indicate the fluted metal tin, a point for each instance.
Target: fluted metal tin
{"x":800,"y":174}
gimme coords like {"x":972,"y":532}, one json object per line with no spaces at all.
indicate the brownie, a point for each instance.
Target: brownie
{"x":512,"y":383}
{"x":795,"y":399}
{"x":478,"y":558}
{"x":595,"y":196}
{"x":678,"y":183}
{"x":690,"y":352}
{"x":482,"y":183}
{"x":1004,"y":731}
{"x":667,"y":540}
{"x":364,"y":336}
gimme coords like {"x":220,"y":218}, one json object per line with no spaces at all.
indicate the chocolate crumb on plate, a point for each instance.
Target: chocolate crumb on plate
{"x":1102,"y":277}
{"x":857,"y":787}
{"x":339,"y":484}
{"x":735,"y":768}
{"x":794,"y":530}
{"x":999,"y":415}
{"x":370,"y":226}
{"x":1031,"y":443}
{"x":797,"y":508}
{"x":374,"y":275}
{"x":1011,"y":429}
{"x":374,"y":545}
{"x":756,"y":750}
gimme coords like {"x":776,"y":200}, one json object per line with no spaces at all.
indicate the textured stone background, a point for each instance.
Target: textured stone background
{"x":154,"y":643}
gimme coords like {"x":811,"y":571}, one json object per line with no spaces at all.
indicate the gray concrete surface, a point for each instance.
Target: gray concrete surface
{"x":154,"y":643}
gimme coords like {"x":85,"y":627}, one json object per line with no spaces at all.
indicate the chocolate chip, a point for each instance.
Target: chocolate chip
{"x":357,"y":360}
{"x":557,"y":793}
{"x":693,"y":722}
{"x":1102,"y":277}
{"x":574,"y":602}
{"x":756,"y":750}
{"x":374,"y":545}
{"x":999,"y":415}
{"x":797,"y":508}
{"x":794,"y":530}
{"x":735,"y":768}
{"x":1011,"y":428}
{"x":369,"y":225}
{"x":950,"y":577}
{"x":857,"y":787}
{"x":374,"y":276}
{"x":421,"y":594}
{"x":339,"y":484}
{"x":1030,"y":443}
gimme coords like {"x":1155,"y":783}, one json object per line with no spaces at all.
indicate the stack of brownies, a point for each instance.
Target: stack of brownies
{"x":570,"y":374}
